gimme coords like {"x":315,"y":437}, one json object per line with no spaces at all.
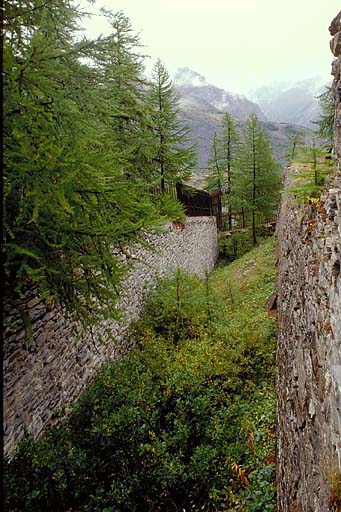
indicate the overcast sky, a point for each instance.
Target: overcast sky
{"x":236,"y":44}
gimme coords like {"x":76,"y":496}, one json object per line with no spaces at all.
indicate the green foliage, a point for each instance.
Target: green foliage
{"x":326,"y":120}
{"x":176,"y":309}
{"x":311,"y":169}
{"x":183,"y":422}
{"x":296,"y":143}
{"x":77,"y":155}
{"x":171,"y":154}
{"x":258,"y":177}
{"x":235,"y":246}
{"x":222,"y":164}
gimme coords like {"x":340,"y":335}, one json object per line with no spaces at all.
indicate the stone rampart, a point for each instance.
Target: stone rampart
{"x":309,"y":349}
{"x":45,"y":373}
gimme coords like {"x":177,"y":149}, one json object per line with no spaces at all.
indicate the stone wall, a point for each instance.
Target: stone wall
{"x":309,"y":349}
{"x":47,"y":373}
{"x":335,"y":46}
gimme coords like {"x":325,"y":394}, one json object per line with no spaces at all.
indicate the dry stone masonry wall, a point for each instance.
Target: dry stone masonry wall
{"x":309,"y":349}
{"x":335,"y":46}
{"x":47,"y":373}
{"x":309,"y":340}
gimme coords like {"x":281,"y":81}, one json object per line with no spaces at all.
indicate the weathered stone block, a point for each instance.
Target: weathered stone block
{"x":335,"y":44}
{"x":335,"y":25}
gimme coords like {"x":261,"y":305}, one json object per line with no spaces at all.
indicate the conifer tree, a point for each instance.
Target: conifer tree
{"x":312,"y":153}
{"x":173,"y":157}
{"x":222,"y":163}
{"x":122,"y":94}
{"x":258,"y":179}
{"x":296,"y":143}
{"x":69,"y":142}
{"x":326,"y":121}
{"x":216,"y":179}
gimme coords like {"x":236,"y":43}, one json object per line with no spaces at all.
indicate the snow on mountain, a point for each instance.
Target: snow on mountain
{"x":196,"y":92}
{"x":186,"y":77}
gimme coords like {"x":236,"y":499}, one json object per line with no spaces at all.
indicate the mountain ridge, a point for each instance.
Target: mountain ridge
{"x":194,"y":90}
{"x":202,"y":106}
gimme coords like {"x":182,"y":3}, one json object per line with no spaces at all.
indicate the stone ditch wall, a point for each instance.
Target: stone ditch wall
{"x":335,"y":46}
{"x":309,"y":340}
{"x":47,"y":373}
{"x":309,"y":349}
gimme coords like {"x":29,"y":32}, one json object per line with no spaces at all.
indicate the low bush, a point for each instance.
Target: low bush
{"x":184,"y":422}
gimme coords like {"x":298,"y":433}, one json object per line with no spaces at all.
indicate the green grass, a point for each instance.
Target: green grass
{"x":304,"y":186}
{"x":184,"y":422}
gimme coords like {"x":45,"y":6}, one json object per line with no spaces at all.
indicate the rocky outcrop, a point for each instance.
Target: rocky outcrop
{"x":195,"y":91}
{"x":45,"y":372}
{"x":335,"y":25}
{"x":309,"y":349}
{"x":335,"y":46}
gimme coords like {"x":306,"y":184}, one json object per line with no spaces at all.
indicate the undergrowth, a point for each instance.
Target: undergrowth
{"x":307,"y":183}
{"x":184,"y":422}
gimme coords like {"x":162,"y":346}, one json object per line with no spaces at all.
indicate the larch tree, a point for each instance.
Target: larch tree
{"x":295,"y":145}
{"x":258,"y":178}
{"x":66,"y":155}
{"x":216,"y":178}
{"x":173,"y":156}
{"x":325,"y":122}
{"x":122,"y":95}
{"x":224,"y":151}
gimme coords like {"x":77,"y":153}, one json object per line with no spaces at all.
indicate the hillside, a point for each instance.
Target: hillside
{"x":195,"y":92}
{"x":203,"y":124}
{"x":291,"y":102}
{"x":202,"y":105}
{"x":184,"y":422}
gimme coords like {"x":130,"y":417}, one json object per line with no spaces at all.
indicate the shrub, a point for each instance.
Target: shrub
{"x":183,"y":422}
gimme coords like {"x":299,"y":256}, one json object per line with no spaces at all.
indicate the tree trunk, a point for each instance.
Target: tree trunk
{"x":254,"y":239}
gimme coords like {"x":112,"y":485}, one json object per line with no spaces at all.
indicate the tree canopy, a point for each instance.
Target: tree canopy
{"x":222,"y":164}
{"x":326,"y":121}
{"x":77,"y":160}
{"x":258,"y":177}
{"x":172,"y":155}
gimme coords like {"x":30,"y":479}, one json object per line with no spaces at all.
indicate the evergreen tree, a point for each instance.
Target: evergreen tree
{"x":66,"y":202}
{"x":296,"y":143}
{"x":173,"y":157}
{"x":222,"y":163}
{"x":326,"y":120}
{"x":257,"y":181}
{"x":122,"y":96}
{"x":312,"y":154}
{"x":216,"y":179}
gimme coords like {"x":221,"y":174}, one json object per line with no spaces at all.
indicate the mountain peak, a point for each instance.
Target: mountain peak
{"x":195,"y":92}
{"x":187,"y":77}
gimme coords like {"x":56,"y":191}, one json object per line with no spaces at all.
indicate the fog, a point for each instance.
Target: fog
{"x":237,"y":45}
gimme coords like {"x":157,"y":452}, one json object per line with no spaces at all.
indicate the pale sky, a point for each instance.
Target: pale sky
{"x":236,"y":44}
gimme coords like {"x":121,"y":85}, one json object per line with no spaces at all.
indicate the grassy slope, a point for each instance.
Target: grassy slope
{"x":185,"y":422}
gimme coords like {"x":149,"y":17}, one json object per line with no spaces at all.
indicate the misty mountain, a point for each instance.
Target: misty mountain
{"x":195,"y":92}
{"x":291,"y":102}
{"x":203,"y":124}
{"x":203,"y":106}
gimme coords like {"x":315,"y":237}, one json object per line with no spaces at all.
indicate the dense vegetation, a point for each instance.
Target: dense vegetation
{"x":184,"y":422}
{"x":244,"y":169}
{"x":81,"y":153}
